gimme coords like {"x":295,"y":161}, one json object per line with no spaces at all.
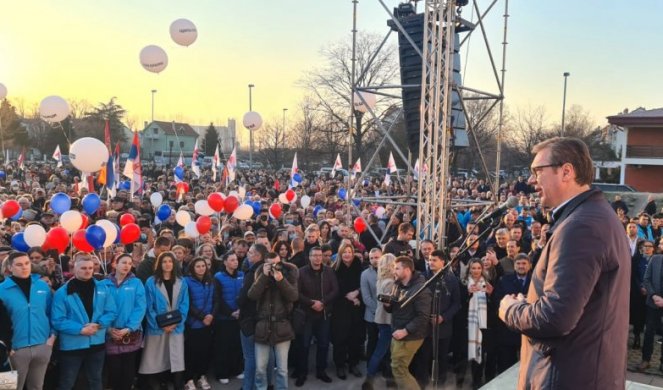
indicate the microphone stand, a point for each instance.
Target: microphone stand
{"x":435,"y":308}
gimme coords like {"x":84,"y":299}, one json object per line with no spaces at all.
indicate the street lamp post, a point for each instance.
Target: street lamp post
{"x":153,"y":92}
{"x":250,"y":131}
{"x":566,"y":75}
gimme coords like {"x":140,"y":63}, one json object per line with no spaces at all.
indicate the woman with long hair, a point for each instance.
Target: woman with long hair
{"x":125,"y":335}
{"x":385,"y":284}
{"x":325,"y":232}
{"x":198,"y":333}
{"x":207,"y":252}
{"x":166,"y":294}
{"x":347,"y":322}
{"x":478,"y":290}
{"x":282,"y":249}
{"x":228,"y":282}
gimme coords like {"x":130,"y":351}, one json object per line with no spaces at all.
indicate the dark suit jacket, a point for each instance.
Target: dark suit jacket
{"x":509,"y":284}
{"x":448,"y":300}
{"x":575,"y":320}
{"x":652,"y":280}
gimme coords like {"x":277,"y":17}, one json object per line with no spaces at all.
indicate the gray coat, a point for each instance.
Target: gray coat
{"x":575,"y":320}
{"x":369,"y":295}
{"x":652,"y":279}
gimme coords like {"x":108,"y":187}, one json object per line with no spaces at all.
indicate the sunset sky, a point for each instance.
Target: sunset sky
{"x":89,"y":50}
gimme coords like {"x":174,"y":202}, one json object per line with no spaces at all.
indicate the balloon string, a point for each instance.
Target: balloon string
{"x":59,"y":124}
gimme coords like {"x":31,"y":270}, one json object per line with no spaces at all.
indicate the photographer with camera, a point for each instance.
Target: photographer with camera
{"x":409,"y":323}
{"x":274,"y":291}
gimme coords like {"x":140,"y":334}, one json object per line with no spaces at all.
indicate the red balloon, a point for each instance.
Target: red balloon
{"x":86,"y":221}
{"x":230,"y":204}
{"x":80,"y":242}
{"x":203,"y":224}
{"x":129,"y":233}
{"x":275,"y":210}
{"x":360,"y":225}
{"x":216,"y":201}
{"x":10,"y":208}
{"x":57,"y":238}
{"x":182,"y":187}
{"x":290,"y":195}
{"x":126,"y":219}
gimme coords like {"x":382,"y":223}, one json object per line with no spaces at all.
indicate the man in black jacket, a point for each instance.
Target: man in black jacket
{"x":318,"y":290}
{"x":409,"y":323}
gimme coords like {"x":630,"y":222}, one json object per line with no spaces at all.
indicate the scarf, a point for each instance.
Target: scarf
{"x":476,"y":320}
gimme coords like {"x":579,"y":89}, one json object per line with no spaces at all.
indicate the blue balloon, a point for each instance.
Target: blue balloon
{"x":117,"y":236}
{"x":3,"y":175}
{"x":91,"y":203}
{"x":342,"y":193}
{"x":366,"y":182}
{"x":18,"y":242}
{"x":297,"y":177}
{"x":163,"y":212}
{"x":60,"y":202}
{"x":125,"y":185}
{"x":257,"y":206}
{"x":179,"y":172}
{"x":95,"y":236}
{"x":357,"y":202}
{"x":65,"y":172}
{"x":18,"y":215}
{"x":316,"y":210}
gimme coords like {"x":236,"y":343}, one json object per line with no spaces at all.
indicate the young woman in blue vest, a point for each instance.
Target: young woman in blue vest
{"x":28,"y":299}
{"x":198,"y":333}
{"x":228,"y":347}
{"x":166,"y":291}
{"x":124,"y":337}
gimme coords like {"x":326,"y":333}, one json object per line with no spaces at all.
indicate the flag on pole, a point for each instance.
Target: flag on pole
{"x":215,"y":162}
{"x":387,"y":179}
{"x":294,"y":170}
{"x":180,"y":161}
{"x":356,"y":168}
{"x":57,"y":156}
{"x":231,"y":165}
{"x":391,"y":164}
{"x":195,"y":167}
{"x":20,"y":162}
{"x":337,"y":165}
{"x":103,"y":173}
{"x":114,"y":178}
{"x":132,"y":168}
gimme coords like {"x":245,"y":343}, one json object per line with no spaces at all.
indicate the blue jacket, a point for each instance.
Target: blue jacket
{"x":229,"y":288}
{"x":30,"y":319}
{"x":157,"y":303}
{"x":68,"y":316}
{"x":130,"y":301}
{"x":201,"y":301}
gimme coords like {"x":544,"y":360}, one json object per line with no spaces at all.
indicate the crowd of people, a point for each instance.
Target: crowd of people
{"x":247,"y":300}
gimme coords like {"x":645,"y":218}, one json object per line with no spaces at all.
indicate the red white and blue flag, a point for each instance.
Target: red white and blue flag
{"x":294,"y":170}
{"x":195,"y":167}
{"x":133,"y":169}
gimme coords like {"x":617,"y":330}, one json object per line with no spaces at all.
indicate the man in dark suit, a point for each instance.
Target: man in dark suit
{"x":652,"y":283}
{"x":508,"y":341}
{"x":574,"y":337}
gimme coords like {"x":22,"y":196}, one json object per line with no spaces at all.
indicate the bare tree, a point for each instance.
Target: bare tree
{"x":484,"y":119}
{"x":529,"y":129}
{"x":79,"y":108}
{"x":331,"y":85}
{"x":272,"y":143}
{"x":305,"y":134}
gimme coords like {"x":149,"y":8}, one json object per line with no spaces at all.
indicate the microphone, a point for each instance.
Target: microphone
{"x":501,"y":209}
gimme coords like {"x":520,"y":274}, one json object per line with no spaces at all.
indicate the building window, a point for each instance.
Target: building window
{"x":181,"y":144}
{"x":155,"y":130}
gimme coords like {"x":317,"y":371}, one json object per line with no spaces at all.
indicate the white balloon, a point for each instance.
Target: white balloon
{"x":183,"y":32}
{"x":191,"y":230}
{"x":35,"y":235}
{"x":156,"y":199}
{"x":379,"y":212}
{"x":252,"y":120}
{"x":71,"y":220}
{"x":54,"y":109}
{"x":183,"y":217}
{"x":110,"y":229}
{"x":243,"y":212}
{"x":283,"y":199}
{"x":370,"y":101}
{"x":235,"y":194}
{"x":242,"y":192}
{"x":88,"y":154}
{"x":202,"y":208}
{"x":153,"y":58}
{"x":3,"y":91}
{"x":305,"y":201}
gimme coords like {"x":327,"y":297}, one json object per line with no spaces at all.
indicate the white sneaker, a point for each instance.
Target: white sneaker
{"x":190,"y":385}
{"x":240,"y":376}
{"x":203,"y":384}
{"x":224,"y":381}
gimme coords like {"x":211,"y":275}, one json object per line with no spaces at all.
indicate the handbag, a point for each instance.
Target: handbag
{"x":129,"y":338}
{"x":8,"y":379}
{"x":169,"y":318}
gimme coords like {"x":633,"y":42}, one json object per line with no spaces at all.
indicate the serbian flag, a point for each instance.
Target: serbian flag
{"x":132,"y":168}
{"x":356,"y":168}
{"x":216,"y":160}
{"x":337,"y":165}
{"x":195,"y":167}
{"x":20,"y":162}
{"x":57,"y":156}
{"x":294,"y":170}
{"x":231,"y":165}
{"x":180,"y":161}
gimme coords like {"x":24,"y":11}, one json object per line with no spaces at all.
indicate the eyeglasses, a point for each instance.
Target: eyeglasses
{"x":536,"y":171}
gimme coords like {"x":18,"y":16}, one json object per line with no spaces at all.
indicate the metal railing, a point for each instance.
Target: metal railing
{"x":644,"y":151}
